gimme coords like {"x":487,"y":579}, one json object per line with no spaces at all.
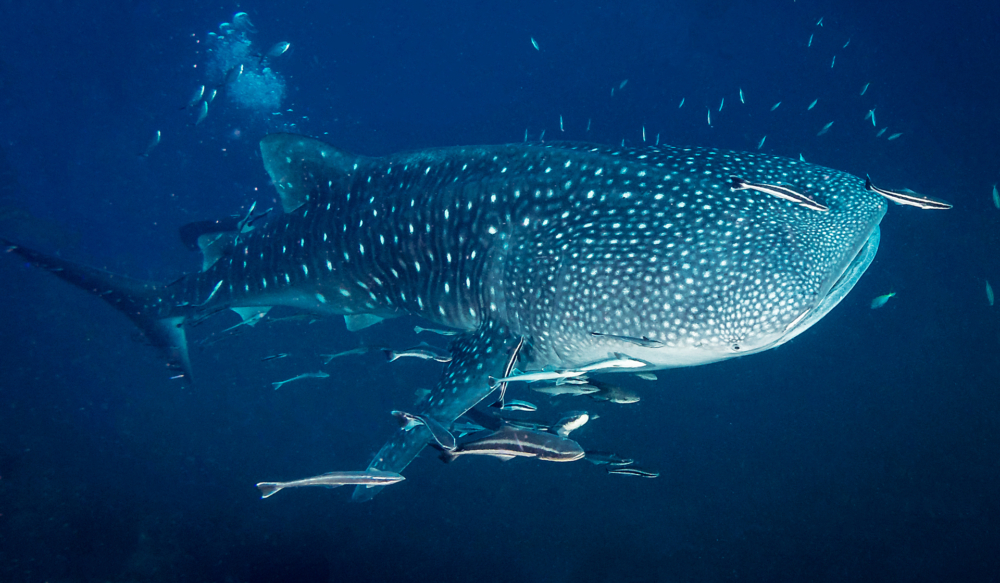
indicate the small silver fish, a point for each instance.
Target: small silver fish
{"x":418,"y":352}
{"x":881,"y":131}
{"x":233,"y":74}
{"x":534,"y":43}
{"x":516,"y":405}
{"x":202,"y":112}
{"x":155,"y":141}
{"x":847,"y":43}
{"x":894,"y":136}
{"x":825,"y":129}
{"x":622,"y":84}
{"x":507,"y":370}
{"x":820,"y":22}
{"x":275,"y":356}
{"x":989,"y":293}
{"x":881,"y":300}
{"x":569,"y":389}
{"x":865,"y":88}
{"x":721,"y":103}
{"x":907,"y":197}
{"x":598,"y":457}
{"x":306,"y":375}
{"x":996,"y":197}
{"x":761,"y":144}
{"x":810,"y":43}
{"x":643,"y":341}
{"x":418,"y":330}
{"x":619,"y":361}
{"x":833,"y":61}
{"x":359,"y":350}
{"x":682,"y":103}
{"x":561,"y":124}
{"x":812,"y":105}
{"x":196,"y":97}
{"x":633,"y":471}
{"x":613,"y":394}
{"x":709,"y":117}
{"x":775,"y":106}
{"x":588,"y":124}
{"x":535,"y":376}
{"x":463,"y":428}
{"x":370,"y":478}
{"x":741,"y":95}
{"x":278,"y":49}
{"x":646,"y":376}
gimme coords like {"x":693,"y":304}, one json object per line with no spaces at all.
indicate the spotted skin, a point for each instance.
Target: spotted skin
{"x":550,"y":242}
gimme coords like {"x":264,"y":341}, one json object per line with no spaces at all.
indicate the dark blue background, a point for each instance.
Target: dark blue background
{"x":868,"y":448}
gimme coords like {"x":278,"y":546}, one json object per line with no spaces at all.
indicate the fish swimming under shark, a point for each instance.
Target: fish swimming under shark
{"x":537,"y":244}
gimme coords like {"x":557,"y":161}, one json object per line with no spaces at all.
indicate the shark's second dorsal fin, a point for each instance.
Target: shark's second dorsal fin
{"x":304,"y":170}
{"x":213,"y":246}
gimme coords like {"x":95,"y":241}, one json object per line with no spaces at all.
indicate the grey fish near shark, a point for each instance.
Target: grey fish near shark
{"x":537,"y":245}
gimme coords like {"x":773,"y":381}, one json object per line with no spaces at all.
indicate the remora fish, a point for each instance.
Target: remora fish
{"x":367,"y":478}
{"x":633,"y":471}
{"x":907,"y":197}
{"x":423,"y":351}
{"x":777,"y":190}
{"x":510,"y":442}
{"x":305,"y":375}
{"x":441,"y":435}
{"x":613,"y":394}
{"x":566,"y":389}
{"x":526,"y":240}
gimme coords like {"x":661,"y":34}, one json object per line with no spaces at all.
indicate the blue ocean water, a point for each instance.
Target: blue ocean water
{"x":866,"y":449}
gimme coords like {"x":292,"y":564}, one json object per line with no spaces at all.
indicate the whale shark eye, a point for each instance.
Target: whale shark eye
{"x":735,"y":347}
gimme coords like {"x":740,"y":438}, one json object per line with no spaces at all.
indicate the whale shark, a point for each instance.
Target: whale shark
{"x":556,"y":255}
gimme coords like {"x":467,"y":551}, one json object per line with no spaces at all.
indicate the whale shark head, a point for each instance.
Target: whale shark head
{"x":679,"y":268}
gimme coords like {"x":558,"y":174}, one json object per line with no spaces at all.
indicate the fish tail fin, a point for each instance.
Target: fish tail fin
{"x":141,"y":301}
{"x":389,"y":354}
{"x":395,"y":455}
{"x":447,"y":456}
{"x":267,"y":489}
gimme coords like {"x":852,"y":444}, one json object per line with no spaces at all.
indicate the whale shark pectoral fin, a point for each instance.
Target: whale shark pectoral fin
{"x":464,"y":384}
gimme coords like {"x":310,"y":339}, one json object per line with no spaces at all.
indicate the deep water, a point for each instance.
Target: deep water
{"x":866,"y":449}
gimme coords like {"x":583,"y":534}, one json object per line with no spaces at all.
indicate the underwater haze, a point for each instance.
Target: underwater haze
{"x":865,"y":448}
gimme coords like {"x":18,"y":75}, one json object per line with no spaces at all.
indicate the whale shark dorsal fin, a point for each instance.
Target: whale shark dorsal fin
{"x":252,"y":313}
{"x":357,"y":322}
{"x":214,"y":246}
{"x":305,"y":170}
